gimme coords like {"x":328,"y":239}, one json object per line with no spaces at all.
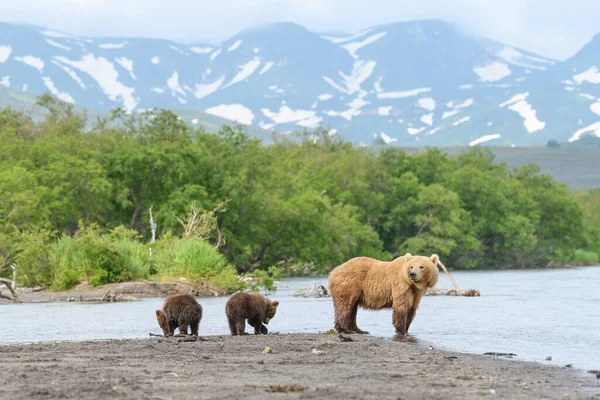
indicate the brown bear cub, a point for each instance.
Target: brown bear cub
{"x":254,"y":307}
{"x":180,"y":311}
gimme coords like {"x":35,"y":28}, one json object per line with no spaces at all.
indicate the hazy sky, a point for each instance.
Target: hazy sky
{"x":553,"y":28}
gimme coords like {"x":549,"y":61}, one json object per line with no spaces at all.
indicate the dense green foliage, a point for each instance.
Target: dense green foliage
{"x":305,"y":204}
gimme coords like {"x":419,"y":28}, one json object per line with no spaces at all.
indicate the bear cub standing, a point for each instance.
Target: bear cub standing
{"x":254,"y":307}
{"x":179,"y":311}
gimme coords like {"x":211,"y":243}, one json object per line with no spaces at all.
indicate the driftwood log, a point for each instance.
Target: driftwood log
{"x":457,"y":291}
{"x":10,"y":285}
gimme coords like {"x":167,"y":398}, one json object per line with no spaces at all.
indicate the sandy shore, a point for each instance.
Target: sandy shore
{"x":303,"y":366}
{"x":126,"y":291}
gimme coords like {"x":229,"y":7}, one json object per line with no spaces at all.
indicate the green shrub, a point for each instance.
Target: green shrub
{"x":195,"y":260}
{"x":33,"y":266}
{"x":583,"y":257}
{"x":98,"y":258}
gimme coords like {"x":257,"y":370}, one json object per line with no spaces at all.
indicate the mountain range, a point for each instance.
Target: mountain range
{"x":412,"y":83}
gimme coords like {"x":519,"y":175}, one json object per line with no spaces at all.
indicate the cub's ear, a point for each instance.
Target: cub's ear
{"x":275,"y":303}
{"x":408,"y":255}
{"x":435,"y":259}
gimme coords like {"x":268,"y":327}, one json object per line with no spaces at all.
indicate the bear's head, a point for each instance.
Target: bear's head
{"x":421,"y":271}
{"x":162,"y":322}
{"x":271,"y":310}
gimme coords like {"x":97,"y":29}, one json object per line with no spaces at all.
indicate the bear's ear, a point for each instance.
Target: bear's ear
{"x":275,"y":303}
{"x":408,"y":255}
{"x":435,"y":259}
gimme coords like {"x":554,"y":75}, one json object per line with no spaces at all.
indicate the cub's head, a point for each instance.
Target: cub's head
{"x":271,"y":310}
{"x":162,"y":322}
{"x":422,"y":271}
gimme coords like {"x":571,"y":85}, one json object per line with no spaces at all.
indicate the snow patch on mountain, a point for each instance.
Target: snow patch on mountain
{"x":402,"y":94}
{"x":214,"y":54}
{"x":177,"y":49}
{"x":415,"y":131}
{"x":155,"y":60}
{"x":427,"y":103}
{"x":387,"y":139}
{"x":5,"y":52}
{"x":5,"y":81}
{"x":461,"y":121}
{"x":176,"y":89}
{"x":55,"y":92}
{"x":466,"y":103}
{"x":234,"y":46}
{"x":310,"y":122}
{"x":325,"y":97}
{"x":32,"y":61}
{"x":245,"y":71}
{"x":518,"y":104}
{"x":353,"y":47}
{"x":354,"y":110}
{"x":203,"y":90}
{"x":268,"y":65}
{"x":70,"y":72}
{"x":200,"y":50}
{"x":484,"y":139}
{"x":595,"y":108}
{"x":337,"y":40}
{"x":158,"y":90}
{"x":591,"y":75}
{"x":492,"y":72}
{"x":105,"y":74}
{"x":427,"y":119}
{"x":515,"y":57}
{"x":287,"y":115}
{"x":384,"y":110}
{"x":233,"y":112}
{"x":57,"y":45}
{"x":594,"y":129}
{"x":127,"y":64}
{"x":448,"y":114}
{"x":55,"y":34}
{"x":112,"y":46}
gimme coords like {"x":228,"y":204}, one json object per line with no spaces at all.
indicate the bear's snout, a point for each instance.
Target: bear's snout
{"x":413,"y":275}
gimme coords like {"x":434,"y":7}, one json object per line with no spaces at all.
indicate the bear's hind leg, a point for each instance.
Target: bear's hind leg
{"x":353,"y":326}
{"x":183,"y":328}
{"x":343,"y":315}
{"x":194,"y":327}
{"x":240,"y":326}
{"x":232,"y":327}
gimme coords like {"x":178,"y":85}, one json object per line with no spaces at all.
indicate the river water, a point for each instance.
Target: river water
{"x":533,"y":313}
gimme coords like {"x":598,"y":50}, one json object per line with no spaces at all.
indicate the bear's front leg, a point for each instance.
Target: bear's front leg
{"x":259,"y":328}
{"x":400,"y":316}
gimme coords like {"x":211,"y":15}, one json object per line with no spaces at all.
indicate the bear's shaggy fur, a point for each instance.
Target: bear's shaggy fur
{"x":179,"y":311}
{"x":254,"y":307}
{"x":374,"y":285}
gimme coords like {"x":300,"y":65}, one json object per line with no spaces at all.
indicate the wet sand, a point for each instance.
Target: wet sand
{"x":303,"y":366}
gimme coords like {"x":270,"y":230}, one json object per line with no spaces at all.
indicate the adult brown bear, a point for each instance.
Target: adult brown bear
{"x":179,"y":311}
{"x":375,"y":285}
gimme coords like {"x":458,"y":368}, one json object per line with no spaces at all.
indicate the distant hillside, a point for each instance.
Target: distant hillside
{"x":412,"y":83}
{"x":576,"y":166}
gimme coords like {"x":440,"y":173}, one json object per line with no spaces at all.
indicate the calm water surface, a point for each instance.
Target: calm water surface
{"x":535,"y":313}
